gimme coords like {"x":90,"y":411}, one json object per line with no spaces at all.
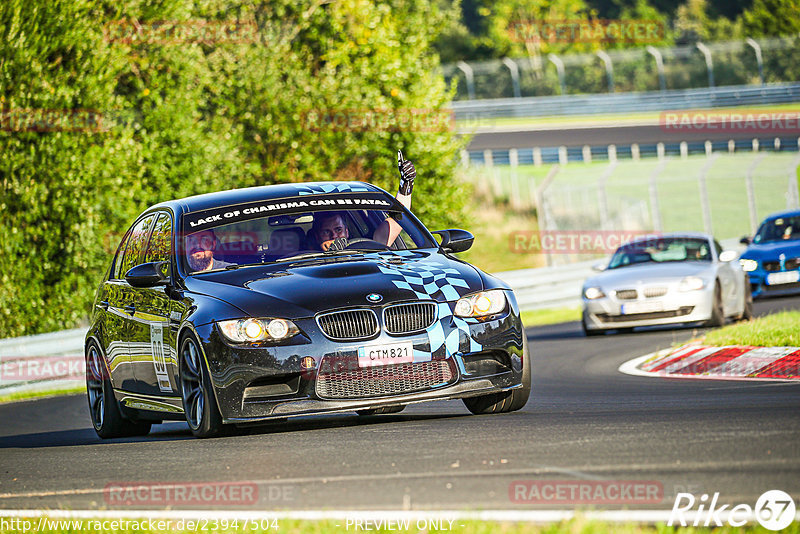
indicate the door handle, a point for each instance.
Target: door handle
{"x":130,"y":309}
{"x":103,"y":305}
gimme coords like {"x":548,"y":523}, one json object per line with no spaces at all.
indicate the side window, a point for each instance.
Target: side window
{"x":160,"y":246}
{"x":136,"y":244}
{"x":115,"y":268}
{"x":718,"y":247}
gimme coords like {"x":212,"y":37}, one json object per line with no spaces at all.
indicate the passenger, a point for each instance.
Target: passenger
{"x":200,"y":247}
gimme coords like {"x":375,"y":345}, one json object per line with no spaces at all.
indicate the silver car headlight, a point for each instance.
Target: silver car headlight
{"x":252,"y":329}
{"x":593,"y":293}
{"x":692,"y":283}
{"x":481,"y":304}
{"x":748,"y":265}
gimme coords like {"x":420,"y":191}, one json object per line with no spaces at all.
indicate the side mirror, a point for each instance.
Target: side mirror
{"x":150,"y":274}
{"x":728,"y":255}
{"x":745,"y":240}
{"x":455,"y":240}
{"x":600,"y":266}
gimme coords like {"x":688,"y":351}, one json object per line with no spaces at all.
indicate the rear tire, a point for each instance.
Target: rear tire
{"x":381,"y":411}
{"x":104,"y":409}
{"x":717,"y":315}
{"x":507,"y":401}
{"x":197,"y":395}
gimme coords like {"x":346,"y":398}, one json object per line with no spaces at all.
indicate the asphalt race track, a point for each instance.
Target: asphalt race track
{"x":598,"y":135}
{"x":585,"y":421}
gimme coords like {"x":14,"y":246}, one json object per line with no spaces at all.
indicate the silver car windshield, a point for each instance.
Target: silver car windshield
{"x":660,"y":251}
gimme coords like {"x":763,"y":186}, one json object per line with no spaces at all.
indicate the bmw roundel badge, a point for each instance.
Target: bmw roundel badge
{"x":374,"y":297}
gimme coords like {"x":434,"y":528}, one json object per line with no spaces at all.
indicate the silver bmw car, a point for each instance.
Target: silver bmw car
{"x":666,"y":279}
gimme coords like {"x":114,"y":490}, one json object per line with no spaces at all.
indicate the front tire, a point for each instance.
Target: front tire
{"x":199,"y":404}
{"x":104,"y":409}
{"x":747,"y":311}
{"x":507,"y":401}
{"x":587,"y":331}
{"x":717,"y":316}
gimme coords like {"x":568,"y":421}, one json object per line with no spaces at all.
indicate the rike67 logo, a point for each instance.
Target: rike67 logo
{"x":774,"y":510}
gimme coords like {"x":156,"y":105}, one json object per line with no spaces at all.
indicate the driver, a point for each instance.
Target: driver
{"x":330,"y":226}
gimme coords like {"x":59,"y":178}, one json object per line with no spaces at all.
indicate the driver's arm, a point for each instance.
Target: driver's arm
{"x":389,"y":229}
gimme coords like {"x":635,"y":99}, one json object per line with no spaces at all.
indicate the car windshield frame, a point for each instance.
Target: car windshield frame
{"x":363,"y":208}
{"x":641,"y":252}
{"x":763,"y":237}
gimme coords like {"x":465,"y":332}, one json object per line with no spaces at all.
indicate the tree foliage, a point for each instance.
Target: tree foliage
{"x":175,"y":114}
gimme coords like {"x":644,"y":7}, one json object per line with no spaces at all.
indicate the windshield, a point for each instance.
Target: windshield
{"x":299,"y":234}
{"x":660,"y":251}
{"x":780,"y":229}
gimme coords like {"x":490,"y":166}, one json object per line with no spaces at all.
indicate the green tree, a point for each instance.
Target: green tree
{"x":772,"y":18}
{"x":175,"y":114}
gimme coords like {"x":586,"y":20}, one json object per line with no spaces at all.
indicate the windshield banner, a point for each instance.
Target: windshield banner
{"x":211,"y":218}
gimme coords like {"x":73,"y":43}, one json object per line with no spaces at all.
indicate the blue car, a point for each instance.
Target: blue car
{"x":772,"y":259}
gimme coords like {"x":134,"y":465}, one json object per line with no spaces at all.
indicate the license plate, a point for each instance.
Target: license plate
{"x":388,"y":354}
{"x":787,"y":277}
{"x":641,"y":307}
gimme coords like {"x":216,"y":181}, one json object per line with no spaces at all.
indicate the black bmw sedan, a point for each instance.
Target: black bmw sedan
{"x":242,"y":306}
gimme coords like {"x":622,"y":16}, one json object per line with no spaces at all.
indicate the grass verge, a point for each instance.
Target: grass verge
{"x":550,"y":316}
{"x":492,"y":225}
{"x":28,"y":395}
{"x":780,"y":329}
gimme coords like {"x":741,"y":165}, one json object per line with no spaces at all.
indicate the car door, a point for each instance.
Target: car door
{"x":111,"y":302}
{"x":137,"y":331}
{"x":157,"y":375}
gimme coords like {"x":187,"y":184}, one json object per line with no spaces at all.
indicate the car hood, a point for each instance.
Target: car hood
{"x":772,"y":250}
{"x":649,"y":273}
{"x":306,"y":287}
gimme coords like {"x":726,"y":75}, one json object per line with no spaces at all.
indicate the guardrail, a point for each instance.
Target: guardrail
{"x":42,"y":362}
{"x":548,"y":287}
{"x":716,"y":97}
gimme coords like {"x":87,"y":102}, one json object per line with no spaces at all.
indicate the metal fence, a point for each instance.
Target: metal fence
{"x":478,"y":111}
{"x":751,"y":61}
{"x":725,"y":194}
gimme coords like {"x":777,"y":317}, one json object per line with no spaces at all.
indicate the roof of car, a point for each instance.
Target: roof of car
{"x":689,"y":235}
{"x":779,"y":214}
{"x":265,"y":192}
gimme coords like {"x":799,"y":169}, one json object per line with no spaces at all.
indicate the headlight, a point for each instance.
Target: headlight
{"x":748,"y":265}
{"x":592,"y":293}
{"x":481,"y":304}
{"x":692,"y":283}
{"x":250,"y":330}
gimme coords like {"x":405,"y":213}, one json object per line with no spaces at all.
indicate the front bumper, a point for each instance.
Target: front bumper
{"x":675,"y":307}
{"x":760,"y":288}
{"x":256,"y":384}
